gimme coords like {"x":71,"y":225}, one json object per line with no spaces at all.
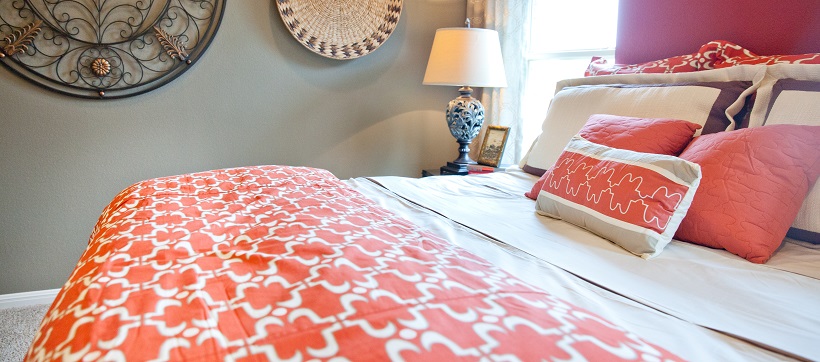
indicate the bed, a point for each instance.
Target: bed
{"x":291,"y":263}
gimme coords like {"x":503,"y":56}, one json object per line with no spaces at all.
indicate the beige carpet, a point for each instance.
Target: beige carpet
{"x":17,"y":329}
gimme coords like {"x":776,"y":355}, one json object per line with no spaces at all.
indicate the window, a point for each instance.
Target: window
{"x":564,"y":35}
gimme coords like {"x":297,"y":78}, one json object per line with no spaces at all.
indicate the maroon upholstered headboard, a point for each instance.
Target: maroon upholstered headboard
{"x":656,"y":29}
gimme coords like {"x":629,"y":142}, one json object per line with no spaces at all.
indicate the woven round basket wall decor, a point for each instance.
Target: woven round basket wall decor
{"x":340,"y":29}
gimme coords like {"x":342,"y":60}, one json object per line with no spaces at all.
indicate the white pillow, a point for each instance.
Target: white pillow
{"x":790,"y":94}
{"x":775,"y":95}
{"x":709,"y":98}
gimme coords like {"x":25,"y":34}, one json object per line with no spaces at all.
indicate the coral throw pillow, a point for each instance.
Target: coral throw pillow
{"x":650,"y":135}
{"x":754,"y":181}
{"x":636,"y":200}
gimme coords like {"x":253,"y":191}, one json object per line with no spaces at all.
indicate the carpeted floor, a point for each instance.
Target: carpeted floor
{"x":17,"y":328}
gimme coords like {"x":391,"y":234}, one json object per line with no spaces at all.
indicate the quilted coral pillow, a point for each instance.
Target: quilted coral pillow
{"x":650,"y":135}
{"x":754,"y":181}
{"x":663,"y":136}
{"x":636,"y":200}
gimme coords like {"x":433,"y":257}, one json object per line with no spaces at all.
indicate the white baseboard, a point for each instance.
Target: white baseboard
{"x":26,"y":299}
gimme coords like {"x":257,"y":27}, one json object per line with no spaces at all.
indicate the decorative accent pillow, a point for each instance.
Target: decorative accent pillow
{"x":636,"y":200}
{"x":730,"y":55}
{"x":790,"y":94}
{"x":711,"y":104}
{"x":649,"y":135}
{"x":715,"y":54}
{"x":679,"y":64}
{"x":703,"y":59}
{"x":810,"y":58}
{"x":754,"y":181}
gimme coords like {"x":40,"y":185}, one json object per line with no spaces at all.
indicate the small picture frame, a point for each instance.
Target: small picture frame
{"x":495,"y":138}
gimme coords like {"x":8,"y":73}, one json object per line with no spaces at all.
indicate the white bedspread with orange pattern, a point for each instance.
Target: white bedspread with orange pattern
{"x":288,"y":263}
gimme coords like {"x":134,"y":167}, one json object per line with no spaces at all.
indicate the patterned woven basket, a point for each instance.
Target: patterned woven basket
{"x":341,"y":29}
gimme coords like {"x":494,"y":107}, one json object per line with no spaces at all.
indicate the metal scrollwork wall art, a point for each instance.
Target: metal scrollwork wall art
{"x":105,"y":48}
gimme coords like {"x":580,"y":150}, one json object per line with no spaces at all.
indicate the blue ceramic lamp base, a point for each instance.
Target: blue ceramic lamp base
{"x":465,"y":115}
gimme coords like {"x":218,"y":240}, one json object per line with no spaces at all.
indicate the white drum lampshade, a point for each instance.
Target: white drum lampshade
{"x":466,"y":57}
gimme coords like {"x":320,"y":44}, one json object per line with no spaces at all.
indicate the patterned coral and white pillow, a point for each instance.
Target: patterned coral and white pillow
{"x":715,"y":54}
{"x":636,"y":200}
{"x":677,"y":64}
{"x":729,"y":55}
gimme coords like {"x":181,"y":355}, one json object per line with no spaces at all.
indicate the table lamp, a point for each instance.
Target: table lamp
{"x":465,"y":57}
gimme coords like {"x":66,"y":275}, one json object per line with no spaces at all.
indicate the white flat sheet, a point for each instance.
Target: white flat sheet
{"x":774,"y":305}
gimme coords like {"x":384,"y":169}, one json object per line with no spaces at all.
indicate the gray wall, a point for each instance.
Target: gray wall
{"x":255,"y":97}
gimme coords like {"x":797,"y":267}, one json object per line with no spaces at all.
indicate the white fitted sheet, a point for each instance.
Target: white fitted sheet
{"x":690,"y":300}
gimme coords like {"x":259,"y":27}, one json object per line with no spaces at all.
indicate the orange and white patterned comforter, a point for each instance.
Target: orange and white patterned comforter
{"x":288,"y":263}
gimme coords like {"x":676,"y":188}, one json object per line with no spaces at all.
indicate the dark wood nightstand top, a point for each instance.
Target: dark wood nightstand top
{"x":430,"y":172}
{"x":437,"y":171}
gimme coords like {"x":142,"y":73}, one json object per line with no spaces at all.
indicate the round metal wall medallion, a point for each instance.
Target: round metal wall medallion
{"x":105,"y":48}
{"x":340,"y":29}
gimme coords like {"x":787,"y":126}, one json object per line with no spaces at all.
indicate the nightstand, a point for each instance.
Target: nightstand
{"x":439,"y":171}
{"x":430,"y":172}
{"x":443,"y":171}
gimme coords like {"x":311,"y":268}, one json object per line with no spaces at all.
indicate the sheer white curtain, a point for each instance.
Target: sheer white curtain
{"x":511,"y":18}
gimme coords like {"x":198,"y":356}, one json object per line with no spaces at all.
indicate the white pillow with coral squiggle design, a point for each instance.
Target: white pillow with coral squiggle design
{"x":636,"y":200}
